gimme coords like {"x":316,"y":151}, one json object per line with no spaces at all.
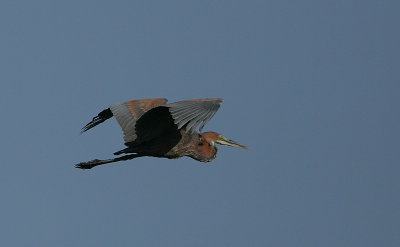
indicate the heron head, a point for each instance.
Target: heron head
{"x":213,"y":137}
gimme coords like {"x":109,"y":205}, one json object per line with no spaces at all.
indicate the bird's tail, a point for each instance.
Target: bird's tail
{"x":123,"y":151}
{"x":101,"y":117}
{"x":129,"y":149}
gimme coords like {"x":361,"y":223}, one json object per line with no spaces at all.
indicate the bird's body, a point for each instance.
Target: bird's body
{"x":189,"y":144}
{"x":153,"y":128}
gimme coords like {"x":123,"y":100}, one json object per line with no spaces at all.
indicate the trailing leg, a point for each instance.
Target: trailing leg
{"x":96,"y":162}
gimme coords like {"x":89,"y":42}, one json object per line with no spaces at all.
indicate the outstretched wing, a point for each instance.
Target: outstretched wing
{"x":129,"y":112}
{"x":192,"y":113}
{"x":146,"y":119}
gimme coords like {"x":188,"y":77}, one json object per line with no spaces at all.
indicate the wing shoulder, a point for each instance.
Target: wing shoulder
{"x":127,"y":114}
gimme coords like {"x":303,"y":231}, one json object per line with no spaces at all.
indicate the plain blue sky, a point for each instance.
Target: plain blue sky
{"x":312,"y":87}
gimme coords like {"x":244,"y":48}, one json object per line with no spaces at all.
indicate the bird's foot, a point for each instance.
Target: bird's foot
{"x":88,"y":165}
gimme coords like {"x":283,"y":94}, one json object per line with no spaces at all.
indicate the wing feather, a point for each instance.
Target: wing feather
{"x":186,"y":118}
{"x":192,"y":113}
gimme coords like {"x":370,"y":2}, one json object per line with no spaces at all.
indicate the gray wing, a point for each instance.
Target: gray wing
{"x":192,"y":113}
{"x":129,"y":112}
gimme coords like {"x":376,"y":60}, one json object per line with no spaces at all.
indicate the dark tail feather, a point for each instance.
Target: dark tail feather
{"x":103,"y":116}
{"x":124,"y":151}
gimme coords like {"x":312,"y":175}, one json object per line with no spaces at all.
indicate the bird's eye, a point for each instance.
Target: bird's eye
{"x":200,"y":144}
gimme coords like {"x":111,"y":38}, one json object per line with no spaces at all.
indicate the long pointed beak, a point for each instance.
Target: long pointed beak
{"x":222,"y":140}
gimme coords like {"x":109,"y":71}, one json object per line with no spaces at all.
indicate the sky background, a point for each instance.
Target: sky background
{"x":312,"y":87}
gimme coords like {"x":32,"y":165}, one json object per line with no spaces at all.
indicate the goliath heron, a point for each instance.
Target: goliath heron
{"x":154,"y":128}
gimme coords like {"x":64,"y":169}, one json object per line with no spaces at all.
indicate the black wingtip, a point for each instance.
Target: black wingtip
{"x":101,"y":117}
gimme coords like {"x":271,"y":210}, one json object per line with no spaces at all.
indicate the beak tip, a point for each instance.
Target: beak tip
{"x":225,"y":141}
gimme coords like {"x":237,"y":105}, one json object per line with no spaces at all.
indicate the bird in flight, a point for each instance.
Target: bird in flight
{"x":154,"y":128}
